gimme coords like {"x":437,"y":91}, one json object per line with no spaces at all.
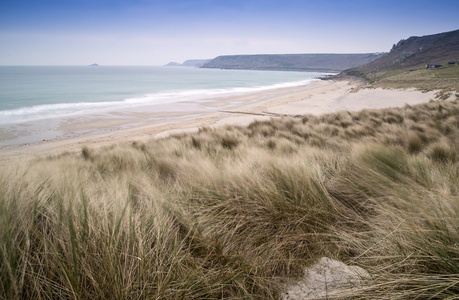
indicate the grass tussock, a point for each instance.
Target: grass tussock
{"x":233,"y":212}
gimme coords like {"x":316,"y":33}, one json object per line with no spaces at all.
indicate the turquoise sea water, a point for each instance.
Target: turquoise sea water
{"x":32,"y":93}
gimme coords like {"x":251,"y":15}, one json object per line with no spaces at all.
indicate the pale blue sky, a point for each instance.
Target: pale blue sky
{"x":154,"y":32}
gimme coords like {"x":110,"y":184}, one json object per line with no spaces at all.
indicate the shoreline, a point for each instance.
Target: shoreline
{"x":318,"y":97}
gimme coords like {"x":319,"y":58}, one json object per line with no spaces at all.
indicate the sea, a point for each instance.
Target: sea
{"x":30,"y":94}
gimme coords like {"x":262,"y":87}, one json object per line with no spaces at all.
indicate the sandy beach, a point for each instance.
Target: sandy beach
{"x":318,"y":97}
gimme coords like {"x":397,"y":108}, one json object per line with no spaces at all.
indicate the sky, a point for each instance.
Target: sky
{"x":155,"y":32}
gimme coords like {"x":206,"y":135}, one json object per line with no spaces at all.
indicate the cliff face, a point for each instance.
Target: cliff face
{"x":292,"y":62}
{"x":416,"y":52}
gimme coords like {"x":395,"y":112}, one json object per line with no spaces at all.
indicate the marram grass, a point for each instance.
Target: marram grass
{"x":232,"y":213}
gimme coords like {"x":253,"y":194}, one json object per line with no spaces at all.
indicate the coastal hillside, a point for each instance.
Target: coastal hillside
{"x":416,"y":52}
{"x":405,"y":65}
{"x":292,"y":62}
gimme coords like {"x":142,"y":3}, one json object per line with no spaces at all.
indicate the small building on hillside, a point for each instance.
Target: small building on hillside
{"x":433,"y":66}
{"x":453,"y":62}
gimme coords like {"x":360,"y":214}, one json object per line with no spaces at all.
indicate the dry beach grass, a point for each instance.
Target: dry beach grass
{"x":231,"y":212}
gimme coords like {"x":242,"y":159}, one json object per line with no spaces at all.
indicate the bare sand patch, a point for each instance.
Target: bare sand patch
{"x":343,"y":98}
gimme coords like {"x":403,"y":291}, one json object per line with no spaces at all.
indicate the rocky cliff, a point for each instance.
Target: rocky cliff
{"x":416,"y":52}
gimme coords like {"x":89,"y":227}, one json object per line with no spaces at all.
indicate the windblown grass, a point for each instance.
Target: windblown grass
{"x":232,"y":212}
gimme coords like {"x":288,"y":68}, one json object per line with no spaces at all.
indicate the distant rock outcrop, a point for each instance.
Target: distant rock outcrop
{"x":292,"y":62}
{"x":94,"y":65}
{"x":197,"y":63}
{"x":173,"y":64}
